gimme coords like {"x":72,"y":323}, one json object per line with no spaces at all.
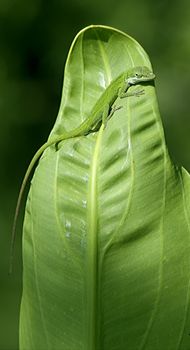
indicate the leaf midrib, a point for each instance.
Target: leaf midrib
{"x":92,"y":249}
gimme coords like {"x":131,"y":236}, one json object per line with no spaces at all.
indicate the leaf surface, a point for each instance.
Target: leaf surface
{"x":106,"y":244}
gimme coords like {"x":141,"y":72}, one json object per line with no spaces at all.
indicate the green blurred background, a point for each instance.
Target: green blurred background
{"x":35,"y":36}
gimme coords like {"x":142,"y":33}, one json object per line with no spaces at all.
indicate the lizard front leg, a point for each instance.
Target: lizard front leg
{"x":123,"y":92}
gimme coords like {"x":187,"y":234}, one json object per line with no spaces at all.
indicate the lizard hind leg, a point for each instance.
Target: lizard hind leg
{"x":105,"y":114}
{"x":113,"y":110}
{"x":108,"y":113}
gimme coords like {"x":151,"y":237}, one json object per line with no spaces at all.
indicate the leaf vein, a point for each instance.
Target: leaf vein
{"x":104,"y":58}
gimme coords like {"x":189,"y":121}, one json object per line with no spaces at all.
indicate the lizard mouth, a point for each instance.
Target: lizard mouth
{"x":149,"y":77}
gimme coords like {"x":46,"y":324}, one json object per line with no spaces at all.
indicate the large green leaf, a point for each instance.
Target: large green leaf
{"x":106,"y":245}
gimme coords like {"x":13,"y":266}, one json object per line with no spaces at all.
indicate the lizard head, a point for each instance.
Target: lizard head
{"x":139,"y":74}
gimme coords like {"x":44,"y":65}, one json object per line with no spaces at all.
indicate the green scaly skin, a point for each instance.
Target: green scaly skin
{"x":103,"y":109}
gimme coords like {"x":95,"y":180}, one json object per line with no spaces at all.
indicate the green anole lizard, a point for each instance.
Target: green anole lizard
{"x":103,"y":109}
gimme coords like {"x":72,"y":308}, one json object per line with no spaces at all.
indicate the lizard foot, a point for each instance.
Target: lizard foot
{"x":138,"y":93}
{"x":113,"y":110}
